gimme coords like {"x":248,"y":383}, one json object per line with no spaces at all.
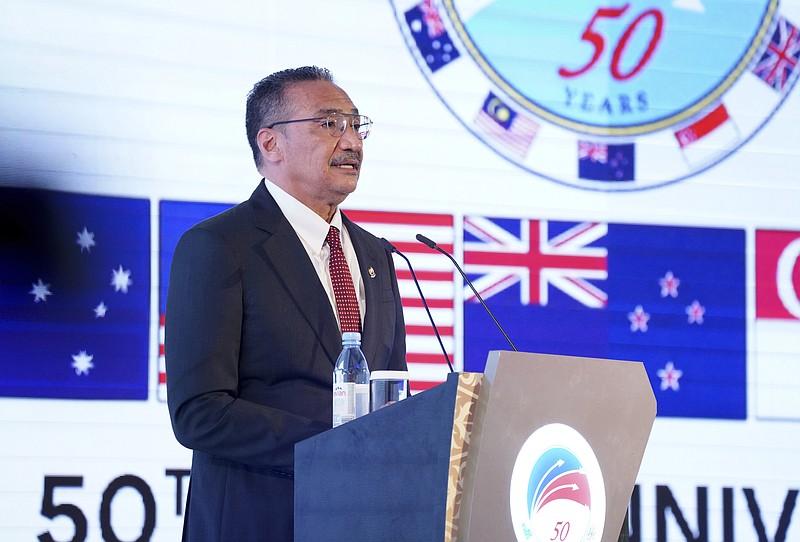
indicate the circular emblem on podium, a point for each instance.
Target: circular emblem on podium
{"x":557,"y":491}
{"x":605,"y":96}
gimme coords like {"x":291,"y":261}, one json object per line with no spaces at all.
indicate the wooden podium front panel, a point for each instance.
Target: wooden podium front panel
{"x":609,"y":403}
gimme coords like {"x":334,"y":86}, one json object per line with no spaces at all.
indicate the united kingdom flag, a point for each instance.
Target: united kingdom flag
{"x":538,"y":257}
{"x":778,"y":64}
{"x":432,"y":19}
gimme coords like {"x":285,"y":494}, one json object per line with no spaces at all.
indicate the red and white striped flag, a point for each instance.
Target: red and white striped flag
{"x":426,"y":362}
{"x":161,"y":390}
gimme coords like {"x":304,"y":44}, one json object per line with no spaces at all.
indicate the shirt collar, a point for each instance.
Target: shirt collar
{"x":309,"y":226}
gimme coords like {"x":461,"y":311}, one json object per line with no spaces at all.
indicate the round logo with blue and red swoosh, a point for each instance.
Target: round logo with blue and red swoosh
{"x":606,"y":96}
{"x":557,"y":490}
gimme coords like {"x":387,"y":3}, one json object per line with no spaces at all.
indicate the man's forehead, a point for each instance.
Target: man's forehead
{"x":320,"y":98}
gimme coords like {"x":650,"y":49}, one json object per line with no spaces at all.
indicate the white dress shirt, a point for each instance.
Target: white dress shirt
{"x":312,"y":231}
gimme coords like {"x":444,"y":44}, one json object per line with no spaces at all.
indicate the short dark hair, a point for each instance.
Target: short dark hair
{"x":266,"y":102}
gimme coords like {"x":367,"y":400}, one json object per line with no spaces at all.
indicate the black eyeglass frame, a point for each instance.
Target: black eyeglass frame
{"x":334,"y":130}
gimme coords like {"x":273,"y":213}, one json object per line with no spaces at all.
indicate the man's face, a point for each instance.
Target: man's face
{"x":318,"y":169}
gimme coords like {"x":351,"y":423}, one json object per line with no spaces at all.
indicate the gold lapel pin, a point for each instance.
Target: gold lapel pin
{"x":371,"y":273}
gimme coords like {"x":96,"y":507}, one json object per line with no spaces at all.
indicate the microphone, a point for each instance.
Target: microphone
{"x":391,"y":248}
{"x":425,"y":241}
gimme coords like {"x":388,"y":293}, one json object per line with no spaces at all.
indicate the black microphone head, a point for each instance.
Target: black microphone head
{"x":387,"y":245}
{"x":424,"y":240}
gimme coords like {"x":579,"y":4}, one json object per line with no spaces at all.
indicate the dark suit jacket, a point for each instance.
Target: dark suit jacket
{"x":251,"y":342}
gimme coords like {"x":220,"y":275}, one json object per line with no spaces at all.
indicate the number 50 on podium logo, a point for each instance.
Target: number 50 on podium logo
{"x":557,"y":491}
{"x":610,"y":96}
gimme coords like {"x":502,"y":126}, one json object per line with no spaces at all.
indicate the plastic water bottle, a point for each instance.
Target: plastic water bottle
{"x":350,"y":381}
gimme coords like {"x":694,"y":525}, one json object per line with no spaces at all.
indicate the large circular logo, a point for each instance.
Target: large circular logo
{"x":557,"y":491}
{"x":606,"y":95}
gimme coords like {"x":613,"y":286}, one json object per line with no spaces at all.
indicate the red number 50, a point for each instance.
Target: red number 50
{"x":596,"y":39}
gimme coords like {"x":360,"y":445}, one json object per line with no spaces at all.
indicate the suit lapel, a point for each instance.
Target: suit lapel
{"x":283,"y":251}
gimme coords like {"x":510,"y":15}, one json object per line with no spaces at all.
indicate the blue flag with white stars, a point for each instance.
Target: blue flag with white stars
{"x":74,"y":295}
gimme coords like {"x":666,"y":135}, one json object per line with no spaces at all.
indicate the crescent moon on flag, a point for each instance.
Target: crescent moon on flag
{"x":786,"y":289}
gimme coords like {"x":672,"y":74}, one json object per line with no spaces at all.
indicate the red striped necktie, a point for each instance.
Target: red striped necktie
{"x":343,"y":290}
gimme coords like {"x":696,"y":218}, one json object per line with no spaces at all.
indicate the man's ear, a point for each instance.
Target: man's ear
{"x":268,"y":145}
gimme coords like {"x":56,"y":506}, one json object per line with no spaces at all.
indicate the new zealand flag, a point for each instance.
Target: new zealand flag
{"x":604,"y":162}
{"x":74,"y":295}
{"x":670,"y":297}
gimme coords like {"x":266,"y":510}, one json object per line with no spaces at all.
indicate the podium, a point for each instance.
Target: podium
{"x":538,"y":447}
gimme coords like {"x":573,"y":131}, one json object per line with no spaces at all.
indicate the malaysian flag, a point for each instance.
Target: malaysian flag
{"x":74,"y":295}
{"x":429,"y":33}
{"x":510,"y":128}
{"x":672,"y":298}
{"x":426,"y":361}
{"x":778,"y":65}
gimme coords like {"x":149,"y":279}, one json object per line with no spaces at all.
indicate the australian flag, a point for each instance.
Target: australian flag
{"x":429,"y":33}
{"x":670,"y":297}
{"x":74,"y":295}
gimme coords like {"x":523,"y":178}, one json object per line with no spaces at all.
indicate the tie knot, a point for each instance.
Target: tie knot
{"x":333,"y":237}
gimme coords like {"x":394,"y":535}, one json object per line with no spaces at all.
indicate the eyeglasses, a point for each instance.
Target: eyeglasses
{"x":336,"y":123}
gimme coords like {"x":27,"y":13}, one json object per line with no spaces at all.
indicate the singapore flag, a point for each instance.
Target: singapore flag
{"x":777,"y":329}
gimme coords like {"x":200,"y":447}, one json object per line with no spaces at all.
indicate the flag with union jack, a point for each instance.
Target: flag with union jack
{"x":426,"y":28}
{"x":606,"y":162}
{"x":778,"y":64}
{"x":670,"y":297}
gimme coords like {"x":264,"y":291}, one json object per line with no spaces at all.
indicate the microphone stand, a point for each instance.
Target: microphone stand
{"x":424,"y":240}
{"x":391,"y":248}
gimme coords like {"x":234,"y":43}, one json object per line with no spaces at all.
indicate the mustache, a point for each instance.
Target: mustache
{"x":346,"y":158}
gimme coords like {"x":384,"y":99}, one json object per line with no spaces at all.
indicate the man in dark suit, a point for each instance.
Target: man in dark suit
{"x":252,"y":328}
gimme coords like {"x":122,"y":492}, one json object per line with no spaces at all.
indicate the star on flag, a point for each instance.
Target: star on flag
{"x":100,"y":310}
{"x":669,"y":285}
{"x":40,"y":291}
{"x":86,"y":240}
{"x":669,"y":376}
{"x":121,"y":279}
{"x":695,"y":312}
{"x":638,"y":319}
{"x":82,"y":362}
